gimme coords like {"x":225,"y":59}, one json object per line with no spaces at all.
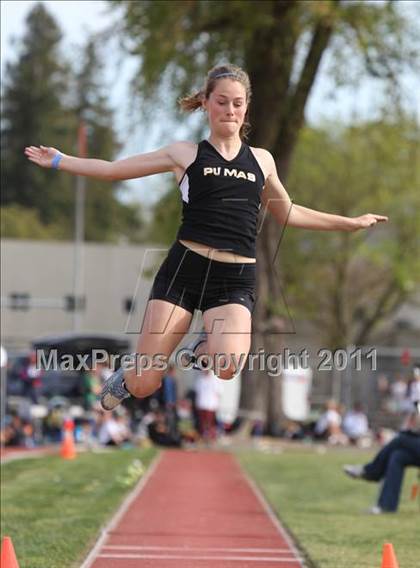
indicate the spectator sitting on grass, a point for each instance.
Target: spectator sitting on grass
{"x":52,"y":425}
{"x":113,"y":429}
{"x":18,"y":432}
{"x":389,"y":464}
{"x":13,"y":431}
{"x":159,"y":432}
{"x":355,"y":423}
{"x":328,"y":426}
{"x":84,"y":432}
{"x":293,"y":430}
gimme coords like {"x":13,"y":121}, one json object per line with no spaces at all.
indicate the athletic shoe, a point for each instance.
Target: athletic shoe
{"x":375,"y":510}
{"x":202,"y":338}
{"x":113,"y":391}
{"x":191,"y":349}
{"x":355,"y":471}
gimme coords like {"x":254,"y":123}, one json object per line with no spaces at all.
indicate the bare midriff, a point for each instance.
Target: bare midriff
{"x":216,"y":254}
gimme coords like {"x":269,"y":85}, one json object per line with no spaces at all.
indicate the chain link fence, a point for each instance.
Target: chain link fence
{"x":377,"y":377}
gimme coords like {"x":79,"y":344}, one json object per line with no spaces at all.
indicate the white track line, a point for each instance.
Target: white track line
{"x":133,"y":547}
{"x":93,"y":554}
{"x":212,"y":558}
{"x":271,"y":514}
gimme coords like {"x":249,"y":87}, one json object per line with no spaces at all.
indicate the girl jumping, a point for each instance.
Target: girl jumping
{"x":211,"y":266}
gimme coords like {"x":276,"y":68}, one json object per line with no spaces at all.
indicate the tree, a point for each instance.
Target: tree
{"x":166,"y":217}
{"x":347,"y":284}
{"x":106,"y":217}
{"x":21,"y":223}
{"x":44,"y":99}
{"x":281,"y":44}
{"x":34,"y":111}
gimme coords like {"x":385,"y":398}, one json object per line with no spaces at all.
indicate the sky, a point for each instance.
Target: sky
{"x":79,"y":18}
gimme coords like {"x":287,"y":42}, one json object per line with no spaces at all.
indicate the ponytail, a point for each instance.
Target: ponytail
{"x":190,"y":103}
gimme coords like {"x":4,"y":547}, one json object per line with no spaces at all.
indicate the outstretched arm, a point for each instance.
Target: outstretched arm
{"x":278,"y":202}
{"x":160,"y":161}
{"x":310,"y":219}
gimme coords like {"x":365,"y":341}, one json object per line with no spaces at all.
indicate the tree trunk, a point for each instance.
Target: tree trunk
{"x":275,"y":103}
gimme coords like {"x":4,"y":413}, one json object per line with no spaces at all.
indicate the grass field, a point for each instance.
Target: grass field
{"x":325,"y":510}
{"x":53,"y":509}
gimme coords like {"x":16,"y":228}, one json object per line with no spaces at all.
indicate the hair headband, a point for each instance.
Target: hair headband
{"x":228,"y":74}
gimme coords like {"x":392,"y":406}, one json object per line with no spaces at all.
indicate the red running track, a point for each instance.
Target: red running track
{"x":15,"y":452}
{"x":195,"y":510}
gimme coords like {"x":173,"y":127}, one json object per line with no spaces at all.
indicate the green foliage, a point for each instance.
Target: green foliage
{"x":177,"y":41}
{"x":34,"y":112}
{"x":341,"y":280}
{"x":181,"y":39}
{"x":18,"y":222}
{"x":44,"y":99}
{"x":166,"y":217}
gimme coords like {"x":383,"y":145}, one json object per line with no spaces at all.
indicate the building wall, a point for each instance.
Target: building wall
{"x":113,"y":274}
{"x":45,"y":271}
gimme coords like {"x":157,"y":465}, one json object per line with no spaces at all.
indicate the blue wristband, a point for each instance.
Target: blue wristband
{"x":56,"y":160}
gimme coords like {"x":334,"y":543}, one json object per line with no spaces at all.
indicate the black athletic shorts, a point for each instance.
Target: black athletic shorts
{"x":193,"y":281}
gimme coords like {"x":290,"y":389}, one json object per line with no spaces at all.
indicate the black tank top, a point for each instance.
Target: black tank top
{"x":221,"y":200}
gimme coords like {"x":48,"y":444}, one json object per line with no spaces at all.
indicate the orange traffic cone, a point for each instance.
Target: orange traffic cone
{"x":389,"y":560}
{"x":414,"y":491}
{"x":68,"y":450}
{"x":8,"y":557}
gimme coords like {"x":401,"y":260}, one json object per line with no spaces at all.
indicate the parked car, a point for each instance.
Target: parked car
{"x":82,"y":344}
{"x":57,"y":381}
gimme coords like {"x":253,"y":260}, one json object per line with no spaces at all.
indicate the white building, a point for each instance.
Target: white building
{"x":37,"y":289}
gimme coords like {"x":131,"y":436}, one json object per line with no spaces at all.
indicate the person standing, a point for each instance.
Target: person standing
{"x":209,"y":391}
{"x":31,"y":376}
{"x":168,"y":396}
